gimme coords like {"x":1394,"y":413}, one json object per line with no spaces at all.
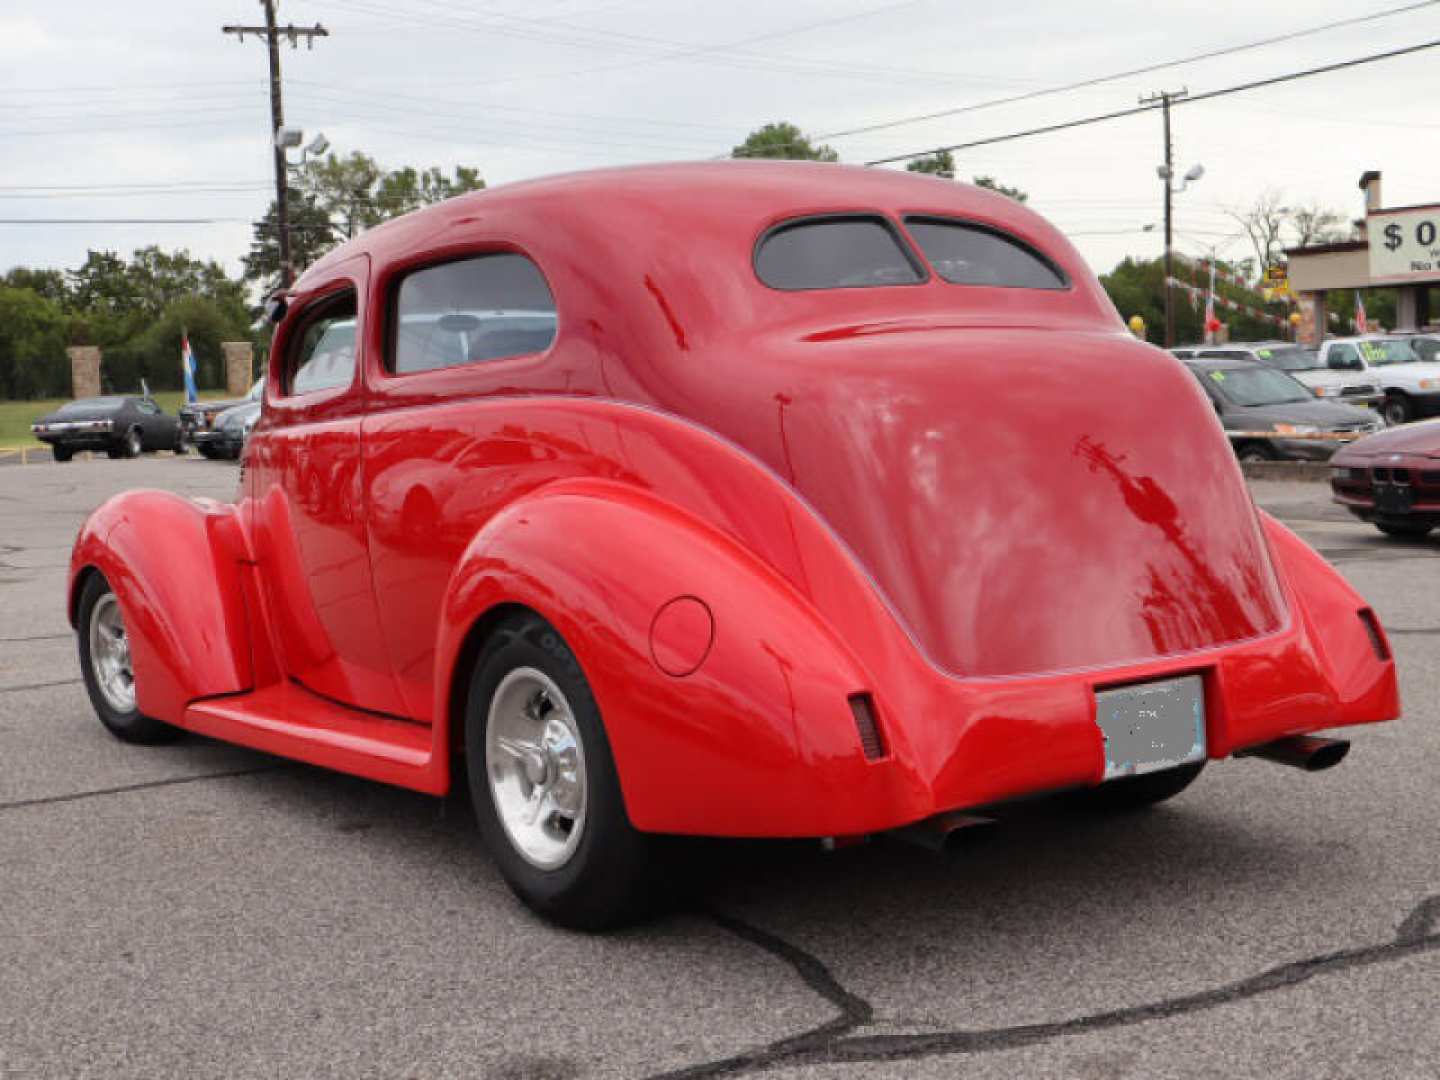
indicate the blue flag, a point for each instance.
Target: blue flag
{"x":187,"y":365}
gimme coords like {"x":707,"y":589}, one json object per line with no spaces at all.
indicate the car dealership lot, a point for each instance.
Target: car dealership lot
{"x":205,"y":910}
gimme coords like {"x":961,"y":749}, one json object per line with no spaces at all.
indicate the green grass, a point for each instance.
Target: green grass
{"x":17,"y":416}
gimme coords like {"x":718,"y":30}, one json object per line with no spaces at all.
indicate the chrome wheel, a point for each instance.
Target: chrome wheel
{"x":535,"y":762}
{"x":110,"y":655}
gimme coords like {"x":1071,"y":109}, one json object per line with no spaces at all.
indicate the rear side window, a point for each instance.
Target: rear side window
{"x":324,"y":356}
{"x":847,"y":252}
{"x":964,"y":253}
{"x":470,"y":311}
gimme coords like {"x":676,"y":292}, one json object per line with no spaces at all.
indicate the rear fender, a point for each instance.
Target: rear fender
{"x":176,"y":567}
{"x":758,"y":739}
{"x":1360,"y":670}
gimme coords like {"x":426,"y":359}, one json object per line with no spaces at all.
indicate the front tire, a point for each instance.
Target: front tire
{"x":544,"y":785}
{"x":1138,"y":792}
{"x":61,"y":453}
{"x":1405,"y":530}
{"x":133,"y":444}
{"x":106,"y":668}
{"x":1397,"y":409}
{"x":1255,"y":452}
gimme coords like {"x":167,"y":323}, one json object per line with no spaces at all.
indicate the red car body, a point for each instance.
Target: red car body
{"x":749,"y":511}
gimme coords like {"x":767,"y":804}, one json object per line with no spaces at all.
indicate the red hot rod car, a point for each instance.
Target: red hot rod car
{"x":733,"y":499}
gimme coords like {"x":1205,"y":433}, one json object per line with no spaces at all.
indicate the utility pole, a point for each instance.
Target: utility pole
{"x":1167,"y":173}
{"x":272,"y":35}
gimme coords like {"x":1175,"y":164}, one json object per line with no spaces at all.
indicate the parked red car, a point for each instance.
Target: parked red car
{"x":729,"y":499}
{"x":1392,"y":479}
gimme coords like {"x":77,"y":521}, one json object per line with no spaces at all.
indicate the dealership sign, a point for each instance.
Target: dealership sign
{"x":1404,"y":244}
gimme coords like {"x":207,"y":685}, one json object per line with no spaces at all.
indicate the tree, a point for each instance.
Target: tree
{"x":782,"y":140}
{"x":1137,"y":287}
{"x":50,"y":284}
{"x":1263,"y":223}
{"x":32,"y":344}
{"x":1313,"y":224}
{"x":1004,"y":189}
{"x":940,"y":163}
{"x":311,"y":235}
{"x":335,"y":198}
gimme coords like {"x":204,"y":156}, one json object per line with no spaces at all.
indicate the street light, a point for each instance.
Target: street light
{"x":1167,"y":174}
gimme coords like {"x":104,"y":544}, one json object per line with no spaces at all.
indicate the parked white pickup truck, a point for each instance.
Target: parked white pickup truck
{"x":1411,"y":386}
{"x":1302,"y":364}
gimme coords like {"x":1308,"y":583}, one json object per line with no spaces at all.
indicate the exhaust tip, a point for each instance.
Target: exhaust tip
{"x":1308,"y":752}
{"x":1327,"y":756}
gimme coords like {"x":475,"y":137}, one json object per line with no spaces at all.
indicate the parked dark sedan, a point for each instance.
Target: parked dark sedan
{"x":225,"y":438}
{"x":122,"y":426}
{"x":1253,"y":397}
{"x":199,"y":416}
{"x":1392,"y":480}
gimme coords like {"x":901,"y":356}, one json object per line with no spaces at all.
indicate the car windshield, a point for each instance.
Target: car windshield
{"x":89,"y":405}
{"x":1288,"y":357}
{"x":1257,"y":386}
{"x":1387,"y":351}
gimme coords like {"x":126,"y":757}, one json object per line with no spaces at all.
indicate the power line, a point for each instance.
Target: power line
{"x":1137,"y":109}
{"x":1146,"y":70}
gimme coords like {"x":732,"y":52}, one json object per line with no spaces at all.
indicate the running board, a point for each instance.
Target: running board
{"x":288,"y":720}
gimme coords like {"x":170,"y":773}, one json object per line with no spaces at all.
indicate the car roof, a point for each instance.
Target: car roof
{"x":1227,"y":363}
{"x":724,"y":198}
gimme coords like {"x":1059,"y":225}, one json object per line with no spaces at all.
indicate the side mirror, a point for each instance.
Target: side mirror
{"x":275,"y":308}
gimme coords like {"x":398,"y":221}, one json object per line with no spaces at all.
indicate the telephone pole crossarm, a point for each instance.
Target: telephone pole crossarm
{"x":272,"y":36}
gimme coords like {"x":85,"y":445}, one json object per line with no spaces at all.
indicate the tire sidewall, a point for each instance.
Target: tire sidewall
{"x":133,"y":726}
{"x":1396,"y":410}
{"x":134,"y":443}
{"x":590,"y":887}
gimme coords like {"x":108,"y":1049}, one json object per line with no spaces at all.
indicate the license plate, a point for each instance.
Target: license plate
{"x":1151,"y":726}
{"x":1394,"y":498}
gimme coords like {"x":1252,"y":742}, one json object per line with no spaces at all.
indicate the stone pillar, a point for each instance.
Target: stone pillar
{"x":1408,"y":300}
{"x":1311,"y":331}
{"x":239,"y":358}
{"x":84,"y":370}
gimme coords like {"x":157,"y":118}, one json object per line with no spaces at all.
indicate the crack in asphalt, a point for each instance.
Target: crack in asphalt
{"x":833,"y":1043}
{"x":37,"y":637}
{"x":1413,"y":630}
{"x":37,"y":685}
{"x":125,"y":789}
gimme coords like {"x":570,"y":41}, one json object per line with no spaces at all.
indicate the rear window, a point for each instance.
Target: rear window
{"x":89,"y":404}
{"x":1288,"y":357}
{"x":835,"y":253}
{"x":964,"y":253}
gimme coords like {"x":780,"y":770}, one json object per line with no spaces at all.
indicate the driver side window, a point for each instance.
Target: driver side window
{"x":322,"y":357}
{"x":1344,"y":358}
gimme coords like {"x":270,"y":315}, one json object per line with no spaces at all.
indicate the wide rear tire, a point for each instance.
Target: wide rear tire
{"x":105,"y":667}
{"x":544,"y":785}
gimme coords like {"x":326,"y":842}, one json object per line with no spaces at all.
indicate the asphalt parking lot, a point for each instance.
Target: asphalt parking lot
{"x":200,"y":910}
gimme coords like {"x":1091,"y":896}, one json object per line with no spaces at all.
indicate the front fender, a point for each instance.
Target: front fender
{"x":759,"y":739}
{"x":175,"y":566}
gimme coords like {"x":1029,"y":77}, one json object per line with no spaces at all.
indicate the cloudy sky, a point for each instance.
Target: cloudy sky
{"x":145,"y":110}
